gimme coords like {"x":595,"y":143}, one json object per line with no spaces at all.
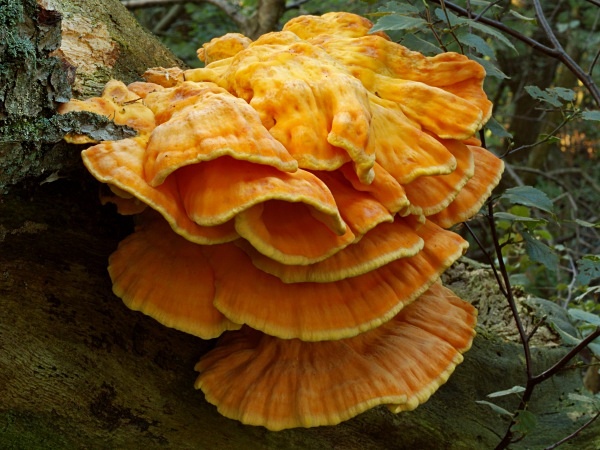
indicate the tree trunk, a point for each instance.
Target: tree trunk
{"x":80,"y":370}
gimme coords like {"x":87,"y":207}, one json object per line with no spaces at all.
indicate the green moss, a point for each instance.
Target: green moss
{"x":32,"y":84}
{"x":32,"y":81}
{"x":22,"y":431}
{"x":51,"y":130}
{"x":26,"y":144}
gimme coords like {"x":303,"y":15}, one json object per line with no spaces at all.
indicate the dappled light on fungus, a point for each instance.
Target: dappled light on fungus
{"x":294,"y":197}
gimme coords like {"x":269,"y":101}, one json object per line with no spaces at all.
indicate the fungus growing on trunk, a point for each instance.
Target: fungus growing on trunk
{"x":304,"y":184}
{"x":285,"y":383}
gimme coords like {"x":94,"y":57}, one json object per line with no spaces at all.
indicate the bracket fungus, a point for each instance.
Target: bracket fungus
{"x":303,"y":187}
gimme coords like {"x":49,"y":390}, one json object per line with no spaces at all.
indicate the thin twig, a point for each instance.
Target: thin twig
{"x":462,"y":50}
{"x":540,"y":173}
{"x":488,"y":7}
{"x":535,"y":327}
{"x":571,"y":286}
{"x":532,"y":382}
{"x":565,"y":359}
{"x":549,"y":136}
{"x":511,"y":170}
{"x":488,"y":257}
{"x":594,"y":2}
{"x":509,"y":292}
{"x":573,"y":434}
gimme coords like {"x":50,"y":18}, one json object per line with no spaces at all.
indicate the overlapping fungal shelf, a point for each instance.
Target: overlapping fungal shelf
{"x":294,"y":198}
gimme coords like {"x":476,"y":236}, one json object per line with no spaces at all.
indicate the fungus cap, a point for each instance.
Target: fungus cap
{"x":368,"y":56}
{"x":120,"y":165}
{"x":488,"y":170}
{"x":216,"y":191}
{"x":383,"y":244}
{"x":223,"y":47}
{"x":262,"y":380}
{"x":402,"y":148}
{"x":324,"y":311}
{"x":200,"y":122}
{"x":429,"y":195}
{"x":161,"y":274}
{"x":340,"y":24}
{"x":306,"y":100}
{"x":305,"y":181}
{"x":305,"y":237}
{"x":168,"y":77}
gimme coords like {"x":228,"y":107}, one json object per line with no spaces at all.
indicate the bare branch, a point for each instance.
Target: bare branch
{"x":565,"y":359}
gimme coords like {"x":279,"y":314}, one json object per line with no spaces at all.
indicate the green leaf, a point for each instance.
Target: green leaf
{"x":583,"y":223}
{"x":495,"y":407}
{"x":540,"y":252}
{"x":512,"y":390}
{"x":567,"y":338}
{"x":420,"y":45}
{"x":519,"y":279}
{"x":497,"y":129}
{"x":562,"y":27}
{"x":555,"y":314}
{"x":528,"y":196}
{"x":543,"y":96}
{"x":521,"y":16}
{"x":589,"y":269}
{"x":483,"y":3}
{"x":490,"y":69}
{"x":583,"y":398}
{"x":477,"y":43}
{"x":524,"y":422}
{"x":590,"y":115}
{"x":398,"y":22}
{"x":515,"y":218}
{"x":564,"y":93}
{"x":545,"y":234}
{"x":580,"y":314}
{"x":454,"y":21}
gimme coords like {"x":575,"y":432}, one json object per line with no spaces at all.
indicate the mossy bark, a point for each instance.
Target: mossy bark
{"x":80,"y":370}
{"x":47,"y":54}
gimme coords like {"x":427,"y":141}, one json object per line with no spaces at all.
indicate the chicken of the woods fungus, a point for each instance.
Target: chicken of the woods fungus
{"x":294,"y":198}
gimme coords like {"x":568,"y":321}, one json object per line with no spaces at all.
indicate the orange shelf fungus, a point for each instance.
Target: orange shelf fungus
{"x":302,"y":185}
{"x":279,"y":383}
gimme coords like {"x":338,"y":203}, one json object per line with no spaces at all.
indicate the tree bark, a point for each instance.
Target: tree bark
{"x":48,"y":53}
{"x":80,"y":370}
